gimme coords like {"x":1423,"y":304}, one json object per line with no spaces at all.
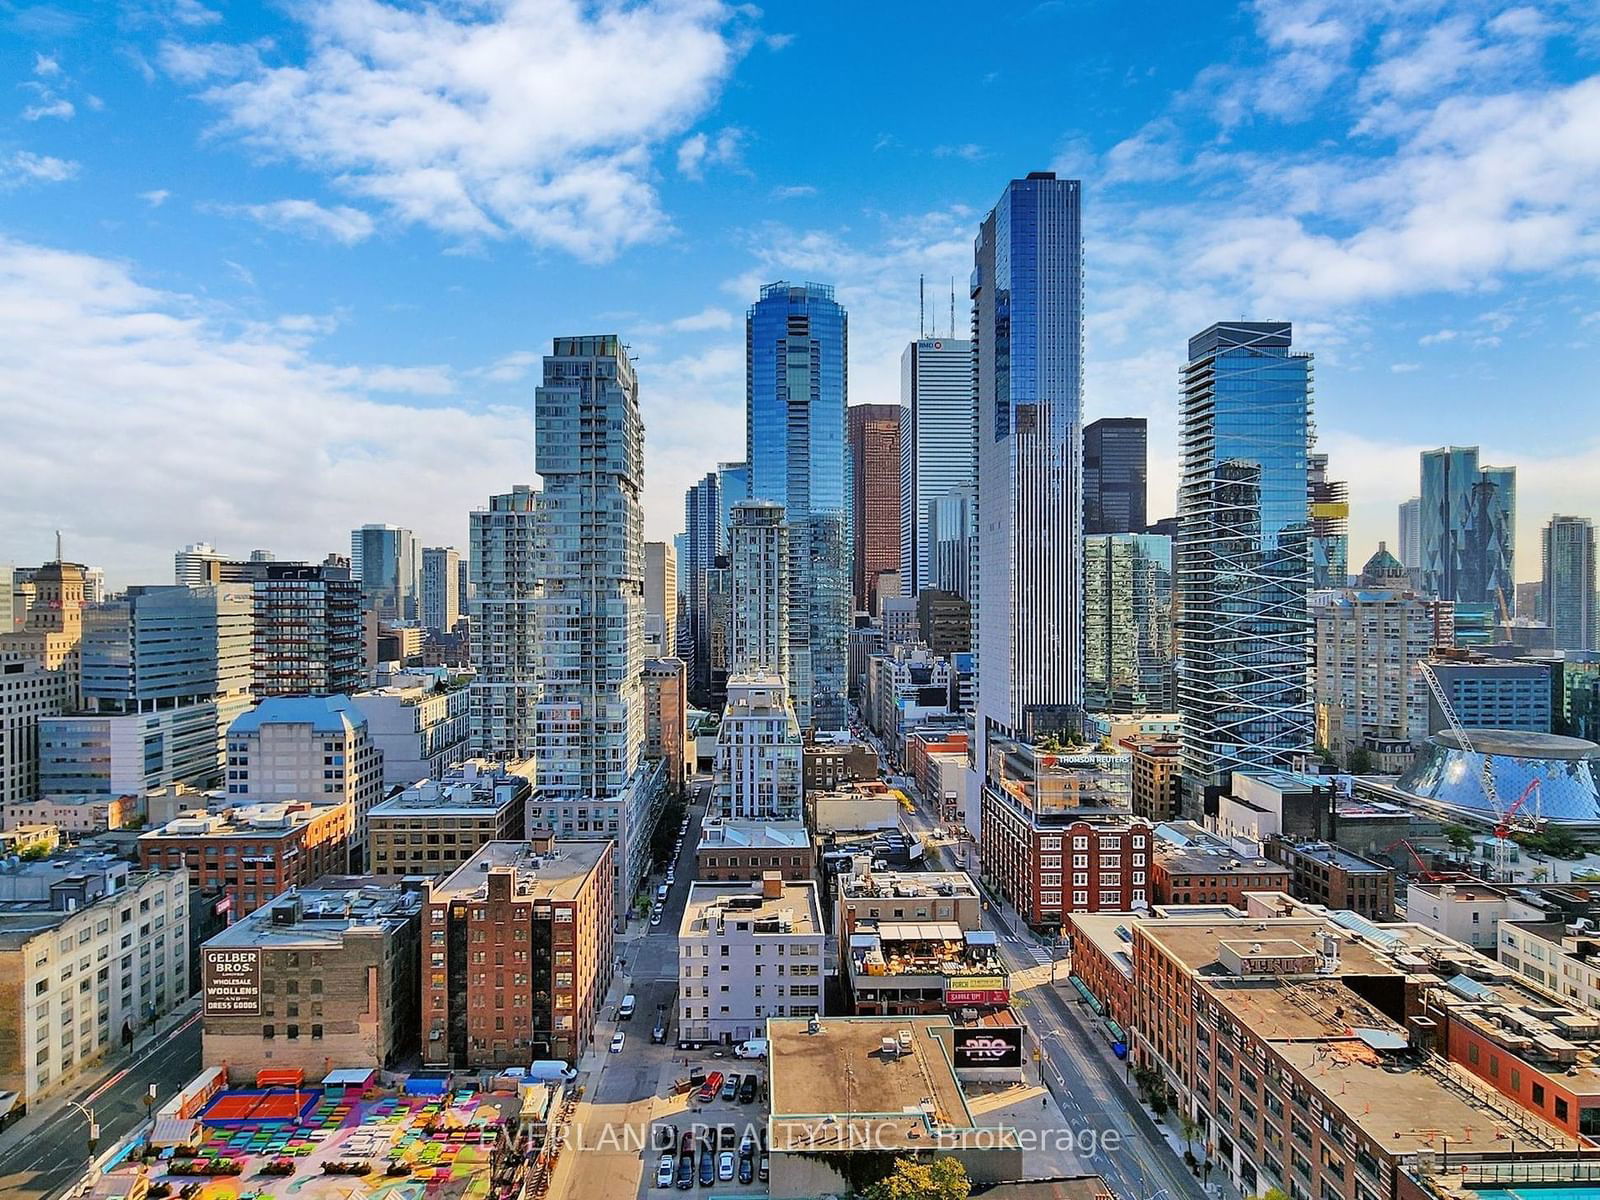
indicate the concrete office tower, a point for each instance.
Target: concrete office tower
{"x":589,"y":724}
{"x":387,"y":561}
{"x":874,"y":434}
{"x":1242,"y":559}
{"x":1329,"y":501}
{"x":189,"y":565}
{"x":1368,"y":692}
{"x":1410,"y":547}
{"x":39,"y":671}
{"x":165,"y":670}
{"x":936,"y":449}
{"x":660,"y":600}
{"x":1028,"y":319}
{"x":1569,"y":583}
{"x":504,"y":540}
{"x":951,"y":536}
{"x":1114,"y":469}
{"x":307,"y":629}
{"x":1468,"y":528}
{"x":733,"y":485}
{"x":702,"y":524}
{"x":441,"y":584}
{"x":1127,"y":623}
{"x":279,"y":753}
{"x":758,"y":772}
{"x":758,"y":564}
{"x":795,"y":341}
{"x":94,"y":585}
{"x":464,"y":586}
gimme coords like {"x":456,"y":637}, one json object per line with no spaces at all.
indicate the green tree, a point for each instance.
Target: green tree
{"x":1359,"y":761}
{"x":1274,"y":1193}
{"x":1459,"y":835}
{"x":1190,"y":1129}
{"x":937,"y":1179}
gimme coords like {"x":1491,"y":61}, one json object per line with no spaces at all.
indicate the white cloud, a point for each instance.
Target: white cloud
{"x":510,"y":368}
{"x":970,"y":151}
{"x":1404,"y":368}
{"x":706,"y":320}
{"x":279,"y":448}
{"x":533,"y":118}
{"x":44,"y":64}
{"x":701,"y":150}
{"x":156,"y":197}
{"x":57,"y":107}
{"x":793,"y":191}
{"x":1434,"y":339}
{"x":22,"y":167}
{"x":341,"y":222}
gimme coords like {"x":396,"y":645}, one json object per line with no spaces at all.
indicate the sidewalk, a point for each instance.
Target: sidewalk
{"x":44,"y":1110}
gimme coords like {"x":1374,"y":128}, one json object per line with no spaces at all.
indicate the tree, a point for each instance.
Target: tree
{"x":1274,"y":1193}
{"x":1459,"y":836}
{"x":1359,"y":761}
{"x":1190,"y":1129}
{"x":937,"y":1179}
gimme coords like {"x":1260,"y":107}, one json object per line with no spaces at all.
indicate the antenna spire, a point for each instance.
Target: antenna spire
{"x":922,"y":307}
{"x":58,"y":546}
{"x":952,"y":308}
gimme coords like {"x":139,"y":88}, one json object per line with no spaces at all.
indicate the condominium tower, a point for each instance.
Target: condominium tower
{"x":387,"y":561}
{"x":1569,"y":583}
{"x":504,"y":540}
{"x":702,"y":524}
{"x":758,"y":564}
{"x":795,"y":343}
{"x":1242,"y":560}
{"x":1468,"y":531}
{"x":441,"y":588}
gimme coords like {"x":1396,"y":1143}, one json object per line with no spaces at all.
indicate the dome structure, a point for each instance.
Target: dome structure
{"x":1567,"y":769}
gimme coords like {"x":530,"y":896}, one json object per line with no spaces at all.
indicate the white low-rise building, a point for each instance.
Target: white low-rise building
{"x":745,"y":953}
{"x":760,"y":757}
{"x":421,"y":724}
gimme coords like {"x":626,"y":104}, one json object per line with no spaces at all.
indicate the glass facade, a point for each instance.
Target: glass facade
{"x":936,"y":448}
{"x":387,"y":561}
{"x":795,"y":350}
{"x":1569,"y":583}
{"x":1468,"y":528}
{"x":504,"y":625}
{"x":1330,"y":525}
{"x":1242,"y":556}
{"x":874,"y":499}
{"x":1114,"y":468}
{"x":1565,"y":769}
{"x":1127,"y":623}
{"x":1027,"y":289}
{"x":704,"y":523}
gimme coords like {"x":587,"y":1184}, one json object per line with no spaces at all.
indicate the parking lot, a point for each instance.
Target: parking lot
{"x":718,"y":1141}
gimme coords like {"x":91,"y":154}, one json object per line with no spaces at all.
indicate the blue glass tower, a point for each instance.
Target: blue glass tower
{"x":1243,"y":557}
{"x":796,"y":392}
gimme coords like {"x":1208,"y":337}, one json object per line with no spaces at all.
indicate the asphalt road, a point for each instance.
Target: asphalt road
{"x":36,"y":1162}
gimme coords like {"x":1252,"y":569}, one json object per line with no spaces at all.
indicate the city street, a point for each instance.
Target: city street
{"x":36,"y":1160}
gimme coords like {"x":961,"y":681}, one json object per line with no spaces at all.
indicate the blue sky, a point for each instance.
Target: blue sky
{"x":272,"y":271}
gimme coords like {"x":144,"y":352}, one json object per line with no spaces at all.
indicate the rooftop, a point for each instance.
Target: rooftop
{"x":908,"y":885}
{"x":312,"y":917}
{"x":1185,"y":848}
{"x":821,"y":1081}
{"x":1195,"y":942}
{"x":556,"y":875}
{"x":253,"y":820}
{"x":325,"y":714}
{"x":1109,"y":933}
{"x":891,"y":948}
{"x":434,"y":798}
{"x":753,"y":835}
{"x":1335,"y":856}
{"x":792,"y":911}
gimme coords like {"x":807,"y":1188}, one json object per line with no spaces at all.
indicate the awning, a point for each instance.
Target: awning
{"x":1117,"y":1032}
{"x":1082,"y":989}
{"x":172,"y":1131}
{"x":349,"y":1077}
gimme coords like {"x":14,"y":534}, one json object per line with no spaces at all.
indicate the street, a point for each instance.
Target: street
{"x":36,"y":1161}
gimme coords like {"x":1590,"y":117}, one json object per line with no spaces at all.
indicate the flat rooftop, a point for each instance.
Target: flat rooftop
{"x":746,"y":902}
{"x":1297,"y":1010}
{"x":1194,"y":942}
{"x":841,"y":1073}
{"x":556,"y":875}
{"x":908,"y":885}
{"x":1461,"y":892}
{"x":1104,"y":931}
{"x":325,"y":916}
{"x":434,"y":799}
{"x":1408,"y":1108}
{"x":245,"y":820}
{"x":754,"y":835}
{"x":1336,"y":856}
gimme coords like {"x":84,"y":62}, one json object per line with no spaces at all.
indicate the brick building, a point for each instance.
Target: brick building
{"x":1193,"y":867}
{"x":1155,"y":775}
{"x":255,"y":852}
{"x":826,"y":766}
{"x":435,"y":826}
{"x":744,"y":851}
{"x":1326,"y":874}
{"x":517,"y":953}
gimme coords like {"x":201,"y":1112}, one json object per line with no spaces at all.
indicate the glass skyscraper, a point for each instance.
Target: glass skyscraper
{"x":387,"y":561}
{"x":1242,"y":559}
{"x":1114,"y":468}
{"x":1127,"y":622}
{"x":703,"y":514}
{"x":1027,"y":288}
{"x":1468,"y":533}
{"x":936,"y":444}
{"x":795,"y":347}
{"x":874,"y":431}
{"x":1569,"y":583}
{"x":1330,"y":525}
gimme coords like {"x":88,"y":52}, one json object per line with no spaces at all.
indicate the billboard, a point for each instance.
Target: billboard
{"x":987,"y":1046}
{"x":231,"y":982}
{"x":976,"y":990}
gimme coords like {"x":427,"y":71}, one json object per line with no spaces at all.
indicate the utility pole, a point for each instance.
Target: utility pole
{"x":94,"y":1128}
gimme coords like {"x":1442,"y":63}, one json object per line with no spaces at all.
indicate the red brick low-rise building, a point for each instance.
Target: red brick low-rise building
{"x":1193,"y":867}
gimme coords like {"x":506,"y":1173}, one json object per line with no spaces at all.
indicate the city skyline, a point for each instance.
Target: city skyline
{"x":368,"y":328}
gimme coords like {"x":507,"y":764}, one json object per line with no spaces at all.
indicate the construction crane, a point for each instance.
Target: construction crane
{"x":1505,"y":821}
{"x":1425,"y":873}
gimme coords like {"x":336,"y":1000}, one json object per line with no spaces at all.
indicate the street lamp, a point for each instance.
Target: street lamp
{"x":94,"y":1129}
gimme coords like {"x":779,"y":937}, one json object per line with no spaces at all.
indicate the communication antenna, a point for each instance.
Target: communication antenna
{"x":922,"y":307}
{"x":952,"y":308}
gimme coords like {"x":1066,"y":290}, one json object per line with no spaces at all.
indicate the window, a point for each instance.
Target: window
{"x":1563,"y":1112}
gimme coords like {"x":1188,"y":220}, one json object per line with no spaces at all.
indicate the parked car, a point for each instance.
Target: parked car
{"x":686,"y":1144}
{"x":754,"y":1048}
{"x":748,"y":1144}
{"x":710,"y":1088}
{"x":708,"y":1168}
{"x":747,"y":1170}
{"x":726,"y":1134}
{"x":658,"y":1035}
{"x":730,"y":1087}
{"x":665,"y":1137}
{"x":762,"y":1171}
{"x":725,"y":1166}
{"x":747,"y":1088}
{"x":666,"y":1171}
{"x":618,"y":1040}
{"x":655,"y":917}
{"x":686,"y":1171}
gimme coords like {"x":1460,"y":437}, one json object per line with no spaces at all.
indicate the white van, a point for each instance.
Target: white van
{"x":661,"y":892}
{"x":626,"y":1011}
{"x":754,"y":1048}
